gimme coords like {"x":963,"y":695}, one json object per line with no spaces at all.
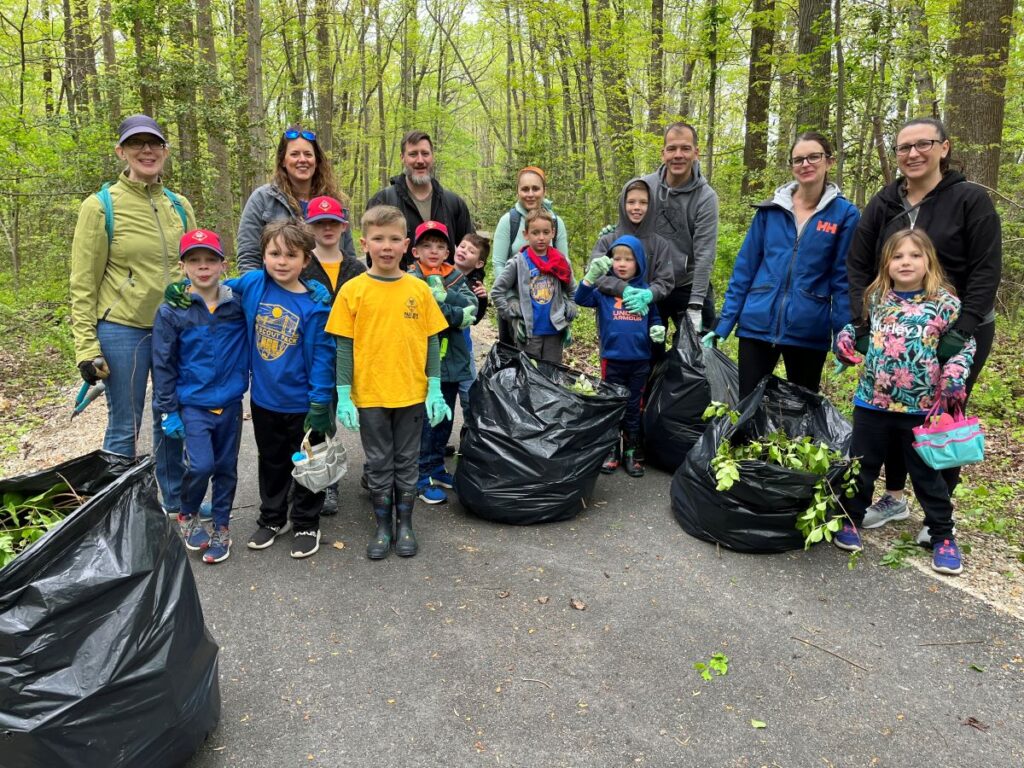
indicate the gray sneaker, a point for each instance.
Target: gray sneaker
{"x":924,"y":538}
{"x":885,"y":510}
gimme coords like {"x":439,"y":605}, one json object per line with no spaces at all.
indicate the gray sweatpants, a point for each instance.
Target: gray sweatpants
{"x":391,"y":442}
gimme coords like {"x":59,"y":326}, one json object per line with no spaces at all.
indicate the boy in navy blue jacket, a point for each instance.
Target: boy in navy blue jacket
{"x":200,"y":372}
{"x":625,"y":339}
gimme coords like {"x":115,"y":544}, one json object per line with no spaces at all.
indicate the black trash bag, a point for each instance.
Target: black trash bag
{"x":104,"y":656}
{"x":531,"y":448}
{"x":681,"y":387}
{"x":759,"y":512}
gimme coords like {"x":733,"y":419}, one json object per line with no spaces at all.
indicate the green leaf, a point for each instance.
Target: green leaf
{"x":758,"y":724}
{"x":976,"y":668}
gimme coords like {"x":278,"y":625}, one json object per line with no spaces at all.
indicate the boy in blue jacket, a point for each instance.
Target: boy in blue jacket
{"x":200,"y":372}
{"x":625,"y":339}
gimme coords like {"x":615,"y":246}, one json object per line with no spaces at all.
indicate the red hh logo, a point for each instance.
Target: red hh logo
{"x":827,"y":226}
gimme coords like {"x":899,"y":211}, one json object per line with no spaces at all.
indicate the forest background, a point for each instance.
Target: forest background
{"x":582,"y":89}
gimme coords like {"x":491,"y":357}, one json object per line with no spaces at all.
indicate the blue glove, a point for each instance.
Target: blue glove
{"x":636,"y":299}
{"x":468,"y":317}
{"x":348,"y":415}
{"x":318,"y":292}
{"x":657,"y":333}
{"x":437,"y":408}
{"x":173,"y":426}
{"x":177,"y":295}
{"x":708,"y":341}
{"x":839,"y":367}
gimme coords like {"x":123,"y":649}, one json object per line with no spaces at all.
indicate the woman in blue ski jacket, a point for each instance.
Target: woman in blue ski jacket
{"x":788,"y":294}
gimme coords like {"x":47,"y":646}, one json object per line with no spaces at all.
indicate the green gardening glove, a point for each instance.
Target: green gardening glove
{"x":320,"y":419}
{"x":177,"y":295}
{"x":566,"y":337}
{"x":348,"y":415}
{"x":437,"y":408}
{"x":598,"y":268}
{"x":607,"y":229}
{"x":950,"y":344}
{"x":468,"y":317}
{"x":657,"y":334}
{"x":637,"y":300}
{"x":521,"y":331}
{"x":437,"y":288}
{"x":708,"y":341}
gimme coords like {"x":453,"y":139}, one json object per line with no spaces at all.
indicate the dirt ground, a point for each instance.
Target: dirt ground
{"x":993,"y":570}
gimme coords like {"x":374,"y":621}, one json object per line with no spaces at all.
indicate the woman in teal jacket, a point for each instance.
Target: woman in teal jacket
{"x":788,"y":294}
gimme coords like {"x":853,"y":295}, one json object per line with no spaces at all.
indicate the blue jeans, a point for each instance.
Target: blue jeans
{"x":631,"y":374}
{"x":434,"y":439}
{"x":211,"y":453}
{"x":129,"y":355}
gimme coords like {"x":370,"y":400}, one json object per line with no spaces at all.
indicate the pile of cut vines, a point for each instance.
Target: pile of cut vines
{"x":25,"y":519}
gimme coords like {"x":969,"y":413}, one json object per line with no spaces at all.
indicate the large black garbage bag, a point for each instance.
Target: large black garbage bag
{"x":531,"y":447}
{"x":681,"y":387}
{"x":104,"y":656}
{"x":759,"y":512}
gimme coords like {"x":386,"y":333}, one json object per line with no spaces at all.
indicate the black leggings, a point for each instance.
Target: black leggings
{"x":895,"y":467}
{"x":758,"y":358}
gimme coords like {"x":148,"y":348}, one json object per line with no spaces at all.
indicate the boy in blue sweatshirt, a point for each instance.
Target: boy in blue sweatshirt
{"x":625,"y":339}
{"x":200,"y":372}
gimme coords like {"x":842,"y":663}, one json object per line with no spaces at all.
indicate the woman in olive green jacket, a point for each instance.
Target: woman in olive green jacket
{"x":124,"y":252}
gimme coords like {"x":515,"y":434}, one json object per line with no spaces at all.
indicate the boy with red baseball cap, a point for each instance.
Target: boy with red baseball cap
{"x":200,"y":372}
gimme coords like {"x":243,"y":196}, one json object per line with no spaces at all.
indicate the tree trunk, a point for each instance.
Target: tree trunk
{"x":214,"y":118}
{"x":759,"y":84}
{"x":815,"y":76}
{"x":85,"y":66}
{"x":243,"y":156}
{"x":189,"y":177}
{"x":111,"y":87}
{"x":324,"y":77}
{"x":47,"y":68}
{"x":588,"y":95}
{"x":616,"y":98}
{"x":686,"y":89}
{"x":382,"y":147}
{"x":254,"y":87}
{"x":840,"y":97}
{"x":712,"y":21}
{"x":71,"y":62}
{"x":656,"y":69}
{"x":976,"y":89}
{"x":921,"y":57}
{"x":567,"y":105}
{"x":149,"y":91}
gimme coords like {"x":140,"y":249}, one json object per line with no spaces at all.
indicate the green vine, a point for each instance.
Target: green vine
{"x":26,"y":519}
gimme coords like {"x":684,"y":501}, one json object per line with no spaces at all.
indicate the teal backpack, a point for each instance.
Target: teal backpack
{"x":108,"y":209}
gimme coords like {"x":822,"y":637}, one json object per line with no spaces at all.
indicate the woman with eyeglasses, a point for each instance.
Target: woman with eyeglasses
{"x":962,"y":222}
{"x":301,"y":172}
{"x":124,"y":252}
{"x":788,"y":294}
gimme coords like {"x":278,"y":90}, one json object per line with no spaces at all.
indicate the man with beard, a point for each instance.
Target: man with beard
{"x":418,"y":195}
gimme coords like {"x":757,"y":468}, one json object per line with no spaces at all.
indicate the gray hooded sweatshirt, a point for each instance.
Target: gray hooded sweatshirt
{"x":660,"y":275}
{"x":687,"y":217}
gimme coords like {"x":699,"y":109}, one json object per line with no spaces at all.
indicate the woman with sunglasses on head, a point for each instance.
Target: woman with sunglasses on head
{"x":124,"y":252}
{"x":301,"y":172}
{"x":788,"y":294}
{"x":961,"y":221}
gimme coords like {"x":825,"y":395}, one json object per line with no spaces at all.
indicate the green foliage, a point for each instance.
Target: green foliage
{"x":905,"y":546}
{"x":25,"y":519}
{"x":988,"y":508}
{"x":717,"y":664}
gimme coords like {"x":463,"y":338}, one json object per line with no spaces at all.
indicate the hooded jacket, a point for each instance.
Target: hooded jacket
{"x":267,"y":204}
{"x":445,"y":206}
{"x":200,"y":358}
{"x":510,"y":295}
{"x":350,"y":267}
{"x":624,"y":335}
{"x":962,"y":223}
{"x":455,"y":354}
{"x":506,"y":242}
{"x":660,"y":274}
{"x":687,"y":217}
{"x":122,"y":280}
{"x":788,"y":287}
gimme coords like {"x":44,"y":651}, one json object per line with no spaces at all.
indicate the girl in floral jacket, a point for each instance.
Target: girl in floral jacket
{"x":911,"y":308}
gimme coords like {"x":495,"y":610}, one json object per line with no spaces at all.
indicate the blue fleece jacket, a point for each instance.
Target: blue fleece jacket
{"x":200,"y":358}
{"x":623,"y":334}
{"x":318,"y":348}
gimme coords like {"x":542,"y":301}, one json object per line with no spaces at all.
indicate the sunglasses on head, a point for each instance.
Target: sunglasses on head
{"x":291,"y":133}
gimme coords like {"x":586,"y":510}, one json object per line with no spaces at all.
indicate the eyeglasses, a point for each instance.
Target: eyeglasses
{"x":921,"y":145}
{"x":136,"y":143}
{"x":814,"y":158}
{"x":291,"y":133}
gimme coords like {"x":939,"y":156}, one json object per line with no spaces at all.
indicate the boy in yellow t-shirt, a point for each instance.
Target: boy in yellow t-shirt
{"x":389,"y":363}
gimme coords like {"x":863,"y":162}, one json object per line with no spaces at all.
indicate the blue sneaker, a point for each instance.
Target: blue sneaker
{"x":430,"y":494}
{"x":442,"y":478}
{"x":220,"y":547}
{"x":848,"y":538}
{"x":193,"y":532}
{"x":946,"y":558}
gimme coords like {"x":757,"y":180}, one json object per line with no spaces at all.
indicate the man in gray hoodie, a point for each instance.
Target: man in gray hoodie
{"x":686,"y":214}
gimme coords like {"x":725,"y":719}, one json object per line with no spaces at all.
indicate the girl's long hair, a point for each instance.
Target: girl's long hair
{"x":934,"y":278}
{"x":322,"y":182}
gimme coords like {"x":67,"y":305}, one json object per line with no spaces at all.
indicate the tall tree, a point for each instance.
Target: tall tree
{"x":656,"y":69}
{"x":324,"y":76}
{"x":814,"y":48}
{"x":111,"y":88}
{"x":255,"y":127}
{"x":614,"y":87}
{"x":759,"y":84}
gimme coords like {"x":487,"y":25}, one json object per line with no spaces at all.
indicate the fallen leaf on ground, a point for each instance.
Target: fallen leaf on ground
{"x":504,"y":593}
{"x":759,"y":724}
{"x":578,"y":604}
{"x":338,"y":545}
{"x":976,"y":724}
{"x":543,"y":599}
{"x":467,"y":548}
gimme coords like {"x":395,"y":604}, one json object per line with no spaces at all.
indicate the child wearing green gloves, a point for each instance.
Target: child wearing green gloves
{"x":387,"y":323}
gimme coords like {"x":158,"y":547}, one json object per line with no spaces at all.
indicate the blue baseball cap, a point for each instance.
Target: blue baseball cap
{"x":135,"y":124}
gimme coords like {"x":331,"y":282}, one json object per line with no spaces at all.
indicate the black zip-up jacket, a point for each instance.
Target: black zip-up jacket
{"x":445,"y":206}
{"x":474,"y":278}
{"x":350,"y":267}
{"x":962,"y":223}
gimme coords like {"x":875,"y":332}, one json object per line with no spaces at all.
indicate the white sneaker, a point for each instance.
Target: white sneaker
{"x":885,"y":510}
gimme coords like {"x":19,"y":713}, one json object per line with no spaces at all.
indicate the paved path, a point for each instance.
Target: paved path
{"x":472,"y":652}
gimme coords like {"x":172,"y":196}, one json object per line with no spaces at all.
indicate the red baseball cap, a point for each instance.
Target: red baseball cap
{"x":323,"y":207}
{"x":200,"y":238}
{"x":432,"y":226}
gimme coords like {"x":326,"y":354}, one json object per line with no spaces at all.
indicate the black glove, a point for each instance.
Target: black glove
{"x":863,"y":340}
{"x":950,"y":344}
{"x":93,"y":370}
